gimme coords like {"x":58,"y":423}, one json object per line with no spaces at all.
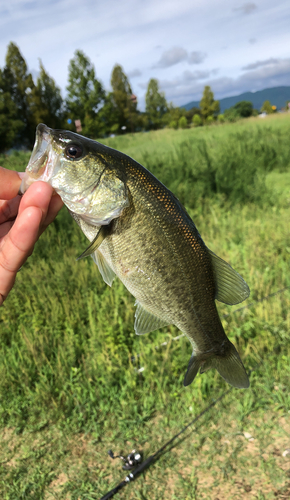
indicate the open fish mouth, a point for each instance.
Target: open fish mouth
{"x":44,"y":164}
{"x":39,"y":167}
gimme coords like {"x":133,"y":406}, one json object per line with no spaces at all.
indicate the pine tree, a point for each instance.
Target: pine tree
{"x":46,"y":101}
{"x":10,"y":125}
{"x":125,"y":103}
{"x":19,"y":83}
{"x":267,"y":107}
{"x":85,"y":94}
{"x":208,"y":106}
{"x":156,"y":105}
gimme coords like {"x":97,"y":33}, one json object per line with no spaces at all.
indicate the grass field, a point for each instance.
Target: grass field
{"x":70,"y":385}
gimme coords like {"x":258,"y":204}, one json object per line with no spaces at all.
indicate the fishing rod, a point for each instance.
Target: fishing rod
{"x":134,"y":458}
{"x":153,"y":458}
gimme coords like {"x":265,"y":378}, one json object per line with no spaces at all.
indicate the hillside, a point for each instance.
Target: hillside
{"x":277,"y":96}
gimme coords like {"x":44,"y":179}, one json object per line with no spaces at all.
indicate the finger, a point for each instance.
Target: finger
{"x":9,"y":183}
{"x":4,"y":229}
{"x":17,"y":246}
{"x":9,"y":209}
{"x":38,"y":195}
{"x":54,"y":207}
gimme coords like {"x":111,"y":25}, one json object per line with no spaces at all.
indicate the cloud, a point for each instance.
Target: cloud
{"x":189,"y":86}
{"x":177,"y":54}
{"x":196,"y":57}
{"x":258,"y":64}
{"x":246,"y":8}
{"x":191,"y":76}
{"x":171,"y":57}
{"x":186,"y":79}
{"x":270,"y":70}
{"x":134,"y":73}
{"x":252,"y":41}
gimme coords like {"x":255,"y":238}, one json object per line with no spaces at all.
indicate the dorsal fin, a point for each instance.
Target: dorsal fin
{"x":146,"y":322}
{"x":231,"y":288}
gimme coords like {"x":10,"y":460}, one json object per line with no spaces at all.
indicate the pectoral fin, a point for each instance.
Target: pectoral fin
{"x":94,"y":245}
{"x":104,"y":268}
{"x":230,"y":286}
{"x":146,"y":322}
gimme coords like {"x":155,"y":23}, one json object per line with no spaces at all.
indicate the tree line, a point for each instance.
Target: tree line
{"x":25,"y":103}
{"x":97,"y":113}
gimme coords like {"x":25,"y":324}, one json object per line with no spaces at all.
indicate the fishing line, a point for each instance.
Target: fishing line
{"x":141,"y":467}
{"x":153,"y":458}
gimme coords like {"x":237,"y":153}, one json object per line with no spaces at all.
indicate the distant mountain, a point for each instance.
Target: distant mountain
{"x":277,"y":96}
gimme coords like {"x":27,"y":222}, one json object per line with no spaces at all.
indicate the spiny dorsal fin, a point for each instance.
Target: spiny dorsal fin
{"x":146,"y":322}
{"x":104,"y":268}
{"x":231,"y":288}
{"x":99,"y":238}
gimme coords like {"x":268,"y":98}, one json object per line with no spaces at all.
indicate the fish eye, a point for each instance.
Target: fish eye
{"x":73,"y":151}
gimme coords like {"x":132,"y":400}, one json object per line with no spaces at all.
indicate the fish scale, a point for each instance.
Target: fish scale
{"x":140,"y":232}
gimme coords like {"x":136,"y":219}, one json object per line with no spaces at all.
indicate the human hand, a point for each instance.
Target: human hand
{"x":22,"y":220}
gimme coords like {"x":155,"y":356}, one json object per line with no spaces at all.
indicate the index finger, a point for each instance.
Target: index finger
{"x":9,"y":183}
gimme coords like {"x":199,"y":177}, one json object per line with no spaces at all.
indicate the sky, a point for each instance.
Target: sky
{"x":231,"y":45}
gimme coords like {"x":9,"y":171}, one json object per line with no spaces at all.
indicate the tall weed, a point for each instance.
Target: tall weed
{"x":234,"y":169}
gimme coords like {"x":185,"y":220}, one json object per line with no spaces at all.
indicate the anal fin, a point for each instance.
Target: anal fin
{"x":193,"y":367}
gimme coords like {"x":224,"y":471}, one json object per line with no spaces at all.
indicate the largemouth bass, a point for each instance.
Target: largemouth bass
{"x":140,"y":232}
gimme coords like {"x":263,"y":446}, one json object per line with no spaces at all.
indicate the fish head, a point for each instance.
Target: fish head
{"x":79,"y":171}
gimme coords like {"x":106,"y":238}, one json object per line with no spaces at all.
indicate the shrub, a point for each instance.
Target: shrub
{"x":209,"y":120}
{"x":182,"y":122}
{"x":173,"y":124}
{"x":196,"y":120}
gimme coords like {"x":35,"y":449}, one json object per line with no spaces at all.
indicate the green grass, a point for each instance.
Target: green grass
{"x":69,"y":388}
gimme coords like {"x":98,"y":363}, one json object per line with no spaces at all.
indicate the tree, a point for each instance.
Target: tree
{"x":208,"y":106}
{"x":156,"y":105}
{"x":244,"y":108}
{"x":10,"y":125}
{"x":125,"y":102}
{"x":267,"y":107}
{"x":47,"y":103}
{"x":85,"y":94}
{"x":19,"y":84}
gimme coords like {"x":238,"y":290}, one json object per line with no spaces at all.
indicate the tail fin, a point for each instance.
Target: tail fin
{"x":229,"y":366}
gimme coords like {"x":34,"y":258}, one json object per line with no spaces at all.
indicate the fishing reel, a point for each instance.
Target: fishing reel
{"x":133,"y":459}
